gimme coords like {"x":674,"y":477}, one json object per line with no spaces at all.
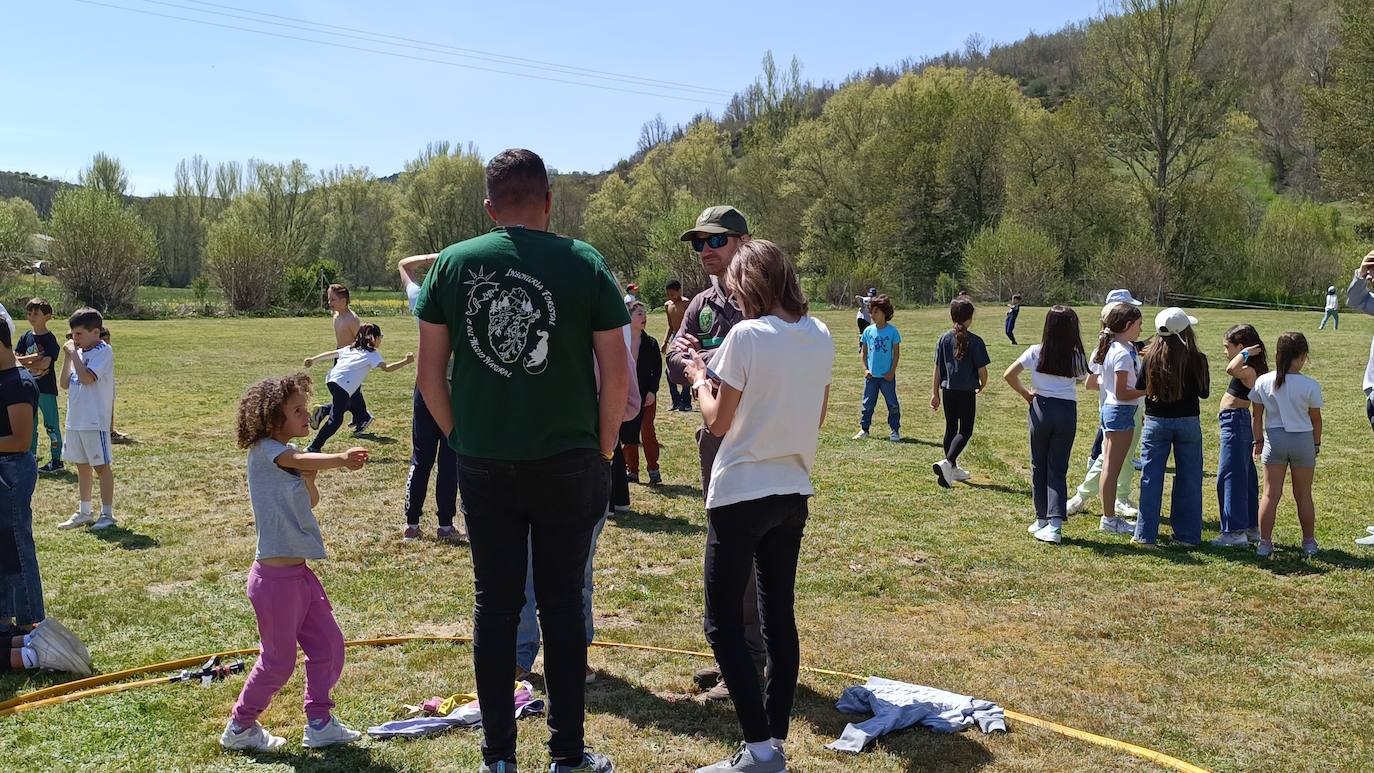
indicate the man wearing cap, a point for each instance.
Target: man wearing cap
{"x":1115,"y":521}
{"x":716,"y":237}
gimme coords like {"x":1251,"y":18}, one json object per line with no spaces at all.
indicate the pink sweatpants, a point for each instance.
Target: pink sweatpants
{"x":292,"y":609}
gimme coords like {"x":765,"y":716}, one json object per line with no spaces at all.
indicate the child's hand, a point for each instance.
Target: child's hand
{"x":868,"y":373}
{"x":309,"y":361}
{"x":891,"y":374}
{"x":935,"y":402}
{"x":69,"y":347}
{"x":694,"y":367}
{"x":354,"y":458}
{"x":1030,"y":397}
{"x":1257,"y":448}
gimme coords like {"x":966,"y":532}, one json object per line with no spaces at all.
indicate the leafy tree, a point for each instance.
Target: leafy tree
{"x":102,"y":251}
{"x":286,"y":207}
{"x":1340,"y":112}
{"x":357,"y":213}
{"x":243,"y":257}
{"x":442,"y":191}
{"x":1013,"y":258}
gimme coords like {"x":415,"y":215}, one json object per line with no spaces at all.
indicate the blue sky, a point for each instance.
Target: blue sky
{"x":152,"y":90}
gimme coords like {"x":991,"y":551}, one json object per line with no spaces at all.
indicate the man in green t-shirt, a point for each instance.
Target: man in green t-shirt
{"x":522,"y":311}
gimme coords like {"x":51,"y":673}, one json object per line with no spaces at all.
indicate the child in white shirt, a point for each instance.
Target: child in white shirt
{"x":88,"y":376}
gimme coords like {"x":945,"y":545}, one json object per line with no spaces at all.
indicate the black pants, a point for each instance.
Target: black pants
{"x":961,"y":408}
{"x":620,"y":479}
{"x":427,"y":443}
{"x":763,"y":536}
{"x":340,"y":401}
{"x":546,"y":509}
{"x":358,"y":407}
{"x":1053,"y":422}
{"x":1097,"y":446}
{"x":681,"y":396}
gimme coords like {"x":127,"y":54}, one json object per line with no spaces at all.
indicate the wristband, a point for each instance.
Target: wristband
{"x":698,"y":384}
{"x":1245,"y":356}
{"x":607,"y":456}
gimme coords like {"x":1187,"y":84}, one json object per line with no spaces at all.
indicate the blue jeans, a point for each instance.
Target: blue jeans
{"x":1237,"y":480}
{"x":1053,"y":423}
{"x":1332,"y":316}
{"x":1157,"y":438}
{"x":21,"y":589}
{"x":527,"y":635}
{"x":872,"y":386}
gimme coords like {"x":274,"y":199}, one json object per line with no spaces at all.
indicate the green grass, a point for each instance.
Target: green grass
{"x":1213,"y":656}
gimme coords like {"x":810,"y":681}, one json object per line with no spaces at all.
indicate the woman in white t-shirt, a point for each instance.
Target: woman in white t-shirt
{"x":1119,"y":366}
{"x":1286,"y":412}
{"x":351,"y":366}
{"x":774,"y":373}
{"x":1057,"y":364}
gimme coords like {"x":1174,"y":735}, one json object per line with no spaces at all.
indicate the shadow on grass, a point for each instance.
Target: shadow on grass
{"x":675,"y":490}
{"x":915,"y":441}
{"x":19,"y":682}
{"x":335,"y":758}
{"x":1168,"y":551}
{"x":381,"y":440}
{"x":655,"y":524}
{"x":125,"y":539}
{"x":998,"y":487}
{"x":1290,"y":562}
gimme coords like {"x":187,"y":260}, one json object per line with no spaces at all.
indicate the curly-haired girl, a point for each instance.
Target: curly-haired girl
{"x":290,"y":605}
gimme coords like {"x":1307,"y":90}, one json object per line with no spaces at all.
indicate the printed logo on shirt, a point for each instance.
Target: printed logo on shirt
{"x":879,"y":343}
{"x":514,"y":305}
{"x":705,"y":318}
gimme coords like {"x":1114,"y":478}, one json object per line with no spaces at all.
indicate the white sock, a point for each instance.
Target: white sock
{"x":85,"y":507}
{"x":106,"y":510}
{"x":30,"y":657}
{"x":761,"y":750}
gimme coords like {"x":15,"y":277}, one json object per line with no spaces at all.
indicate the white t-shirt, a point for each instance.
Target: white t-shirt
{"x":91,"y":406}
{"x":1331,"y":304}
{"x":1120,"y":357}
{"x":1286,"y":408}
{"x":783,"y":370}
{"x":1047,"y":384}
{"x":352,"y":367}
{"x":864,"y":313}
{"x":1094,"y":367}
{"x":412,"y":295}
{"x":5,"y":315}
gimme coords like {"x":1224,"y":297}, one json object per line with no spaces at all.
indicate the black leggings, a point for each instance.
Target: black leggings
{"x":760,"y":536}
{"x":961,"y":407}
{"x":339,"y":405}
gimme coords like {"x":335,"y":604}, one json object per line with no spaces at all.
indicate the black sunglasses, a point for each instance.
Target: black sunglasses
{"x":716,"y":241}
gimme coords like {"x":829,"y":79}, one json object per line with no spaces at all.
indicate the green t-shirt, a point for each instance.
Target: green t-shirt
{"x":520,"y":307}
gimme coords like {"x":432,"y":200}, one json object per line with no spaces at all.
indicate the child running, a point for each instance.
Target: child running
{"x":38,"y":351}
{"x":351,"y":366}
{"x":1057,"y":364}
{"x":1175,"y":379}
{"x":1287,"y":412}
{"x":1119,"y":369}
{"x":287,"y":598}
{"x":88,"y":377}
{"x":1237,"y":481}
{"x":1013,"y":311}
{"x":961,"y":373}
{"x":774,"y":368}
{"x":880,"y":349}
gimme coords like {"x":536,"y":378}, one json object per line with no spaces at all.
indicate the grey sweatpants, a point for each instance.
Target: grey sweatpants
{"x":709,"y":445}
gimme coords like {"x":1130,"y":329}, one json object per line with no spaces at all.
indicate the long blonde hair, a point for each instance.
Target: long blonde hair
{"x":761,"y":277}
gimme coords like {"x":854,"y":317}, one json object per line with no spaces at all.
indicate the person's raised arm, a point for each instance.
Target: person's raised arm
{"x":322,"y":355}
{"x":1357,"y":296}
{"x":401,"y":363}
{"x":1239,"y":366}
{"x":609,"y":347}
{"x":435,"y":350}
{"x":21,"y":428}
{"x":408,"y":266}
{"x":78,"y":366}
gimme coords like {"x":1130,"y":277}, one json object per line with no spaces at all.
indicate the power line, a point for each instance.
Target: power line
{"x":438,"y":48}
{"x":396,"y":54}
{"x":508,"y":58}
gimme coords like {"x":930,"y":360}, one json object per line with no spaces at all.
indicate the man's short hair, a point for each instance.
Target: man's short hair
{"x":673,"y":284}
{"x":87,"y":318}
{"x":40,"y":304}
{"x":339,"y":290}
{"x":516,"y":176}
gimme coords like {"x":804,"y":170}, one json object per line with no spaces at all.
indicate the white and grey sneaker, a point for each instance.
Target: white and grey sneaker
{"x":1037,"y":525}
{"x":1115,"y":525}
{"x":1366,"y":541}
{"x":318,"y":415}
{"x":1074,"y":505}
{"x":944,"y":472}
{"x":1310,"y":547}
{"x":743,"y":762}
{"x":1254,"y":534}
{"x":895,"y":437}
{"x":58,"y":649}
{"x":961,"y":474}
{"x":1231,"y":539}
{"x":334,"y":732}
{"x":591,"y":763}
{"x":103,"y":522}
{"x":361,"y":429}
{"x":253,"y":738}
{"x":1051,"y":533}
{"x":860,"y":435}
{"x":1126,"y":510}
{"x":1369,"y":529}
{"x":77,"y":520}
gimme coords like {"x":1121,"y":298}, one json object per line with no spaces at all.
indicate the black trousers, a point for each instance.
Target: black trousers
{"x":427,"y":443}
{"x":339,"y":402}
{"x":961,"y":408}
{"x":545,"y":509}
{"x":1053,"y":422}
{"x":760,"y":536}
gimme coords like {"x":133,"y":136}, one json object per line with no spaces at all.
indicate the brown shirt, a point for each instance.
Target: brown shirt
{"x":709,"y":316}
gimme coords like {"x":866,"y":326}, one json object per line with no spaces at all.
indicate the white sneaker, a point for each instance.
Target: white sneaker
{"x":1126,"y":510}
{"x":895,"y":437}
{"x":860,"y":435}
{"x":1231,"y":539}
{"x":944,"y":472}
{"x":961,"y":474}
{"x":1074,"y":505}
{"x":77,"y":520}
{"x":255,"y":738}
{"x":1369,"y":529}
{"x":58,"y":649}
{"x":1050,"y":533}
{"x":1037,"y":525}
{"x":1254,"y":534}
{"x":103,"y":522}
{"x":1115,"y":525}
{"x":1310,"y":547}
{"x":334,"y":732}
{"x":1365,"y":540}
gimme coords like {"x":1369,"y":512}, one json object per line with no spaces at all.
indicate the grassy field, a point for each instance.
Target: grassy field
{"x":1213,"y":656}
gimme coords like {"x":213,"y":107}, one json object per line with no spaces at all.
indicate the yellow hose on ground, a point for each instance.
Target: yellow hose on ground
{"x":104,"y":684}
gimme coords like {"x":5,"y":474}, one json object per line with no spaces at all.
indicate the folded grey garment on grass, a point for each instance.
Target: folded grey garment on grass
{"x":900,"y":705}
{"x":464,"y":716}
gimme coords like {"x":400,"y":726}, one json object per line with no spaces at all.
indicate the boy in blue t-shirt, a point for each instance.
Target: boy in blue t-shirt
{"x":880,"y":350}
{"x":38,"y":351}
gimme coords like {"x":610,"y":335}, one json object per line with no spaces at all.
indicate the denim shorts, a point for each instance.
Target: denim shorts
{"x":1118,"y":418}
{"x":1294,"y":449}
